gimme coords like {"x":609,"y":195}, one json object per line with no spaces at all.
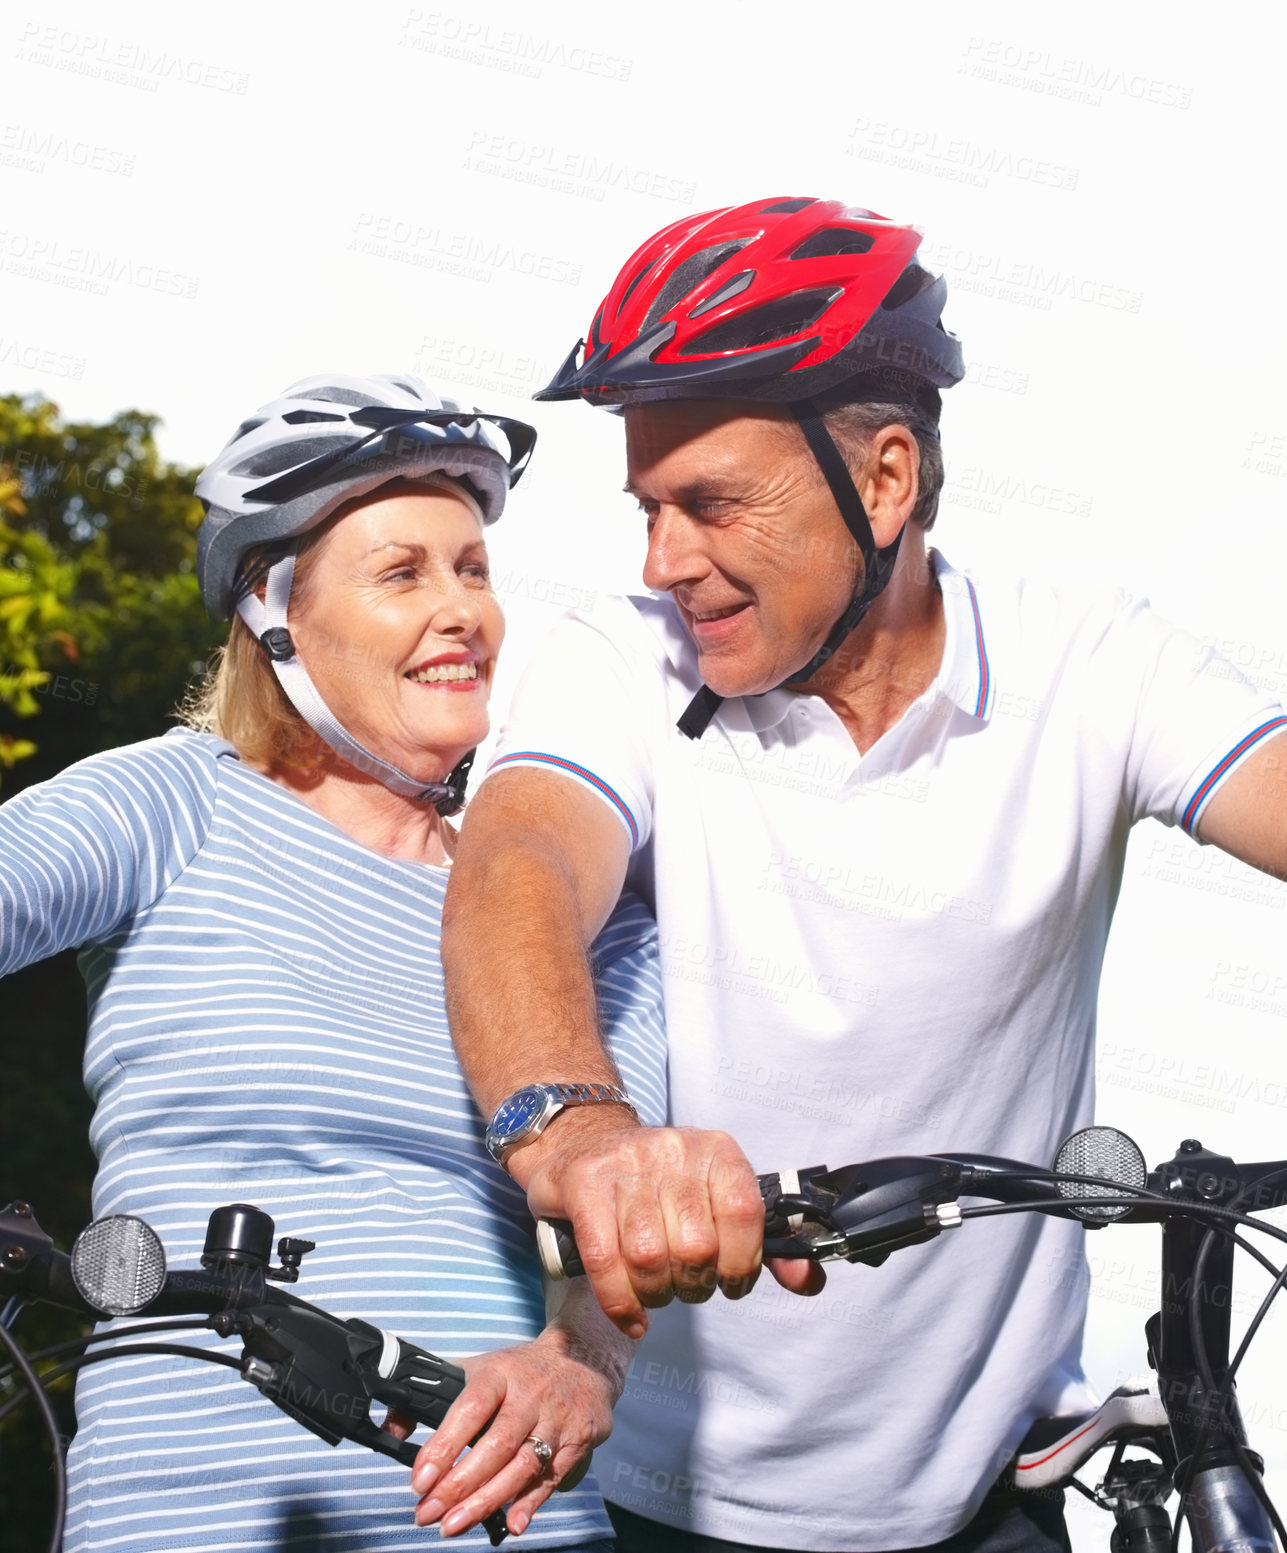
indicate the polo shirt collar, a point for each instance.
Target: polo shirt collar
{"x":964,"y":677}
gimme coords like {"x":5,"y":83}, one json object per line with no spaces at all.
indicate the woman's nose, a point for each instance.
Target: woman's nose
{"x":456,"y":612}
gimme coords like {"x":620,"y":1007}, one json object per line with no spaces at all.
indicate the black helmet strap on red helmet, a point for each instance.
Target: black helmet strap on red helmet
{"x":878,"y":565}
{"x":786,"y":301}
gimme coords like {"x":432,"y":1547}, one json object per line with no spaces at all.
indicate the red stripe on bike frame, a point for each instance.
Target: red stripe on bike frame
{"x":539,"y":758}
{"x":1027,"y":1466}
{"x":1213,"y":776}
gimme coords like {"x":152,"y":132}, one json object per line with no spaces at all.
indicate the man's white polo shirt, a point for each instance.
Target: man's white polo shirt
{"x":897,"y":953}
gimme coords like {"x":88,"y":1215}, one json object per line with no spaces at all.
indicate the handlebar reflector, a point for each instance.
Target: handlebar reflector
{"x":118,"y":1265}
{"x":1100,"y":1151}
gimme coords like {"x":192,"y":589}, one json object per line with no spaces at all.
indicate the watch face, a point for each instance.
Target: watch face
{"x":518,"y":1112}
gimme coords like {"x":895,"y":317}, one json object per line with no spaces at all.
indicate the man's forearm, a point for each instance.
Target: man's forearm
{"x":540,"y":865}
{"x":523,"y":1011}
{"x":537,"y":871}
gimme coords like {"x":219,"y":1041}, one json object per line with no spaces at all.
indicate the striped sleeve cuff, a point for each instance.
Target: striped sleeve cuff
{"x":557,"y":763}
{"x":1221,"y":769}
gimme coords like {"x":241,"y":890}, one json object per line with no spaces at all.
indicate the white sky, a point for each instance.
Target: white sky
{"x":203,"y":204}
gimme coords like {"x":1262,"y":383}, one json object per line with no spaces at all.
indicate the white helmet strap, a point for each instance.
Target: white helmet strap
{"x":268,"y":623}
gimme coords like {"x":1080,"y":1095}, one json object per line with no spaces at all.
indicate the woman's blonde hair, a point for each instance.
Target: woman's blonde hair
{"x":240,"y":699}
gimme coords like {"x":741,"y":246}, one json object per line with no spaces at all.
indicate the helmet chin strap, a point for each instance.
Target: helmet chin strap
{"x":878,"y":565}
{"x":267,"y":620}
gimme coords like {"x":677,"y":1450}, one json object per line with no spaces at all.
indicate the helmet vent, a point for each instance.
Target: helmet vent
{"x":304,"y":417}
{"x":246,"y":428}
{"x":776,"y":320}
{"x":832,"y":241}
{"x":331,"y":395}
{"x":729,"y":289}
{"x":785,"y":207}
{"x":689,"y":276}
{"x":287,"y":455}
{"x":629,"y":291}
{"x":909,"y":284}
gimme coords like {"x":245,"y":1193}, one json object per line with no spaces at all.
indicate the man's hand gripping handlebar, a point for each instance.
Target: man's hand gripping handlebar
{"x":858,"y":1213}
{"x":659,"y":1212}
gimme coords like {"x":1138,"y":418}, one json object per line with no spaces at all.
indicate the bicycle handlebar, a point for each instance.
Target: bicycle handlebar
{"x":863,"y":1212}
{"x":324,"y":1372}
{"x":858,"y":1213}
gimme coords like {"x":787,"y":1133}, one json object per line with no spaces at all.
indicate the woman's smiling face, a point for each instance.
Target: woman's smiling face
{"x":396,"y":622}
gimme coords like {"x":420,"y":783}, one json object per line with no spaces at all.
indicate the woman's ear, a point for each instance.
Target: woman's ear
{"x":253,"y":573}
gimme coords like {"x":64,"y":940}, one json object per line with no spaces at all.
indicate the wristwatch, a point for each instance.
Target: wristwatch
{"x":526,"y":1113}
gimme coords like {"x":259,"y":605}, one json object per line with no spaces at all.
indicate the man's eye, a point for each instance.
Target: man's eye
{"x":400,"y":574}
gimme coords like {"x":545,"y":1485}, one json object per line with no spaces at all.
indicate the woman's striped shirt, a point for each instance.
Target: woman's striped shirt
{"x":267,"y":1025}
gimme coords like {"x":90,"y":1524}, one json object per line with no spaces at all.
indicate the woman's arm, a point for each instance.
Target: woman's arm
{"x":85,"y":851}
{"x":559,"y":1388}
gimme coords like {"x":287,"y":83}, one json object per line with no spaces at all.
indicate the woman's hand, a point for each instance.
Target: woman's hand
{"x":560,"y":1388}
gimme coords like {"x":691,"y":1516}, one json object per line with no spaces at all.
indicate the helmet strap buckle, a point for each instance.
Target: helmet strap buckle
{"x":448,"y":797}
{"x":277,"y":644}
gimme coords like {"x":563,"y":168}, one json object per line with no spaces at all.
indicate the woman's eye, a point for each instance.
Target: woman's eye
{"x":478,"y":572}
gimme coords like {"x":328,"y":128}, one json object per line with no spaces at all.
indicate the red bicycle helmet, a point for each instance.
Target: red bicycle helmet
{"x":781,"y":300}
{"x":777,"y":300}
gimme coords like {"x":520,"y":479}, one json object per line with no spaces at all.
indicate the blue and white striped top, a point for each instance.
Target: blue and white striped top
{"x":267,"y":1025}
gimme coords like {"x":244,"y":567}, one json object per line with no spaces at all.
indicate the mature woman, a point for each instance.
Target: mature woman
{"x":258,"y":896}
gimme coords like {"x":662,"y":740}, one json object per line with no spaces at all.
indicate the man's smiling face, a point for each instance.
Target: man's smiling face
{"x":742,"y":534}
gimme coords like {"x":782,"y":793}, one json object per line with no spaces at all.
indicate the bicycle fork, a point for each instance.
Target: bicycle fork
{"x":1214,"y":1467}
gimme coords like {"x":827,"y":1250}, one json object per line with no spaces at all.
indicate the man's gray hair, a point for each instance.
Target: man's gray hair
{"x":854,"y":422}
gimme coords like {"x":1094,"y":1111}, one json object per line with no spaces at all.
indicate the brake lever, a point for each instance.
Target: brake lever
{"x":862,"y":1213}
{"x":325,"y":1373}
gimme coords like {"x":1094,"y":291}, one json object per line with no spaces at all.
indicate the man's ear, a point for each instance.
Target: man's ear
{"x":890,"y":482}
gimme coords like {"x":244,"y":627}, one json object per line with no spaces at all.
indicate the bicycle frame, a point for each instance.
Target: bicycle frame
{"x":864,"y":1212}
{"x":325,"y":1372}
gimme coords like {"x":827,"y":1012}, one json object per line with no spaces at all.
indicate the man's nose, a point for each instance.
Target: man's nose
{"x":674,"y":555}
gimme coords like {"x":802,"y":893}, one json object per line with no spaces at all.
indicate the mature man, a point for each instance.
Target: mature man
{"x":883,"y":842}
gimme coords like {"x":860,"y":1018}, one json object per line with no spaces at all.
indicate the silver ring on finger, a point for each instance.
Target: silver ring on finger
{"x":544,"y":1454}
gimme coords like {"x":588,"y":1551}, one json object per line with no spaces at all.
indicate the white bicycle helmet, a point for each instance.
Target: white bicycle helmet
{"x":289,"y":466}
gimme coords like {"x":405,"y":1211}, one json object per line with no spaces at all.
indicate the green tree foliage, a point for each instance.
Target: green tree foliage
{"x":106,"y":628}
{"x":102,"y":630}
{"x":35,"y":587}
